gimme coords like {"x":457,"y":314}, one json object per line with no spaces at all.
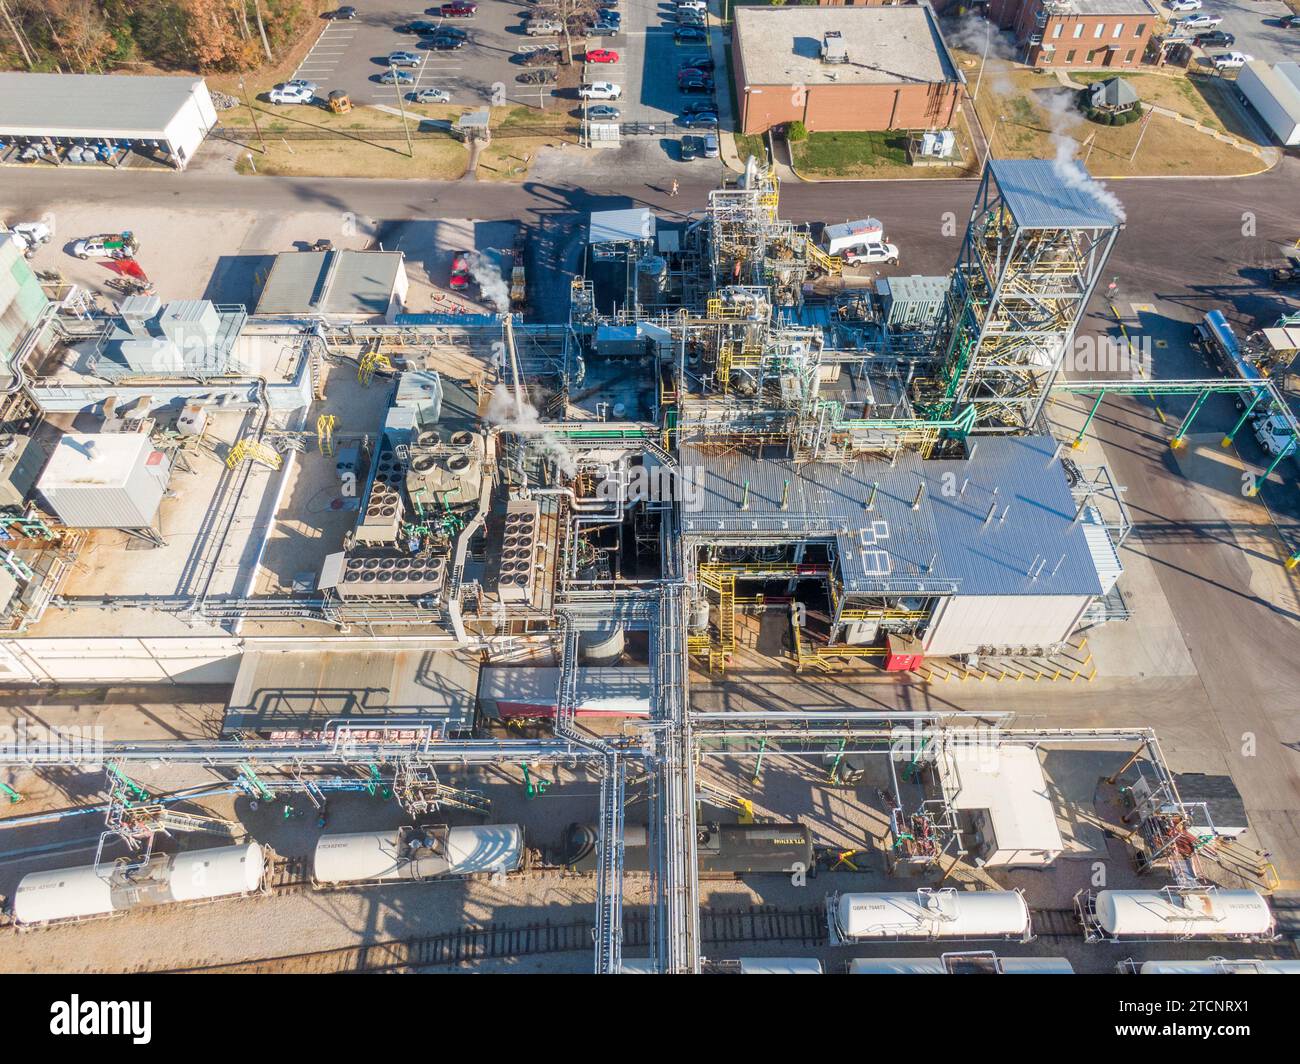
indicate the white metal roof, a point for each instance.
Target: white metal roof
{"x":1008,"y":782}
{"x":608,"y":227}
{"x":115,"y":106}
{"x":95,"y":460}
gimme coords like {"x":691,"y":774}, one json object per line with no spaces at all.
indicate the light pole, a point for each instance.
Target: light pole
{"x":988,"y":39}
{"x":988,"y":153}
{"x":252,"y":113}
{"x":401,"y":107}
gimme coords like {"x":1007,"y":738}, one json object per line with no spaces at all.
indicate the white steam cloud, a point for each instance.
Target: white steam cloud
{"x":491,"y":282}
{"x":506,"y":412}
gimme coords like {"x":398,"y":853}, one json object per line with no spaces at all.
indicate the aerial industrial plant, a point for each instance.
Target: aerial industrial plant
{"x":719,"y":598}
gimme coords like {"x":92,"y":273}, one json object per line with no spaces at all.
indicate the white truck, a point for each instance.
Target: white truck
{"x":30,"y":235}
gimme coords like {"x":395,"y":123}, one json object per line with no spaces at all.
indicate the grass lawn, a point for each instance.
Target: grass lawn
{"x":871,"y":155}
{"x":437,"y":158}
{"x":754,"y":144}
{"x":1176,"y":92}
{"x":1027,"y":113}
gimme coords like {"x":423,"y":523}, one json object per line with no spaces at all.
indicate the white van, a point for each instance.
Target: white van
{"x":692,"y":5}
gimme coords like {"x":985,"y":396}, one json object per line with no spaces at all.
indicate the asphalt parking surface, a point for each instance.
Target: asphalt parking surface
{"x":1254,"y":24}
{"x":352,"y":55}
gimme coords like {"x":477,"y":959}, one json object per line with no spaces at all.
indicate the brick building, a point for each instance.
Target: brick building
{"x":889,"y":69}
{"x":1078,"y":33}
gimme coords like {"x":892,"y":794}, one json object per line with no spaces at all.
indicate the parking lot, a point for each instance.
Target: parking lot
{"x":353,"y":55}
{"x":1254,"y":24}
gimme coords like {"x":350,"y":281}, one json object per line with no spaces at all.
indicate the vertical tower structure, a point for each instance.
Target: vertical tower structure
{"x":1033,"y":252}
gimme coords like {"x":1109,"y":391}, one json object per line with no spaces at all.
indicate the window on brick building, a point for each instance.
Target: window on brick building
{"x":1069,"y":56}
{"x":1078,"y":30}
{"x":1140,"y":30}
{"x":1101,"y":28}
{"x":1088,"y":59}
{"x":1119,"y":28}
{"x":1131,"y":53}
{"x":1056,"y":31}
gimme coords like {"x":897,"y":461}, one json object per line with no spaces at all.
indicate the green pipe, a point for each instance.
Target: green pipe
{"x":1285,"y":452}
{"x":1078,"y":440}
{"x":1187,"y":421}
{"x":1227,"y":440}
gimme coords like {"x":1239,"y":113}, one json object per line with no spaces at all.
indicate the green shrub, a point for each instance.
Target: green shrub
{"x":795,"y":131}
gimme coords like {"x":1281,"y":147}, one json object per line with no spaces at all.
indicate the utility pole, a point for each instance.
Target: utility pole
{"x":401,"y":106}
{"x":988,"y":154}
{"x":253,"y":113}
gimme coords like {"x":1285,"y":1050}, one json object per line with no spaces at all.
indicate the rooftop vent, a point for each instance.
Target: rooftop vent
{"x":834,"y":49}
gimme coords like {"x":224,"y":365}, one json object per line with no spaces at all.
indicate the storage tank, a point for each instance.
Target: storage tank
{"x":603,"y":647}
{"x":1217,"y":966}
{"x":1200,"y":914}
{"x":930,"y":914}
{"x":216,"y":873}
{"x":411,"y":853}
{"x":62,"y":894}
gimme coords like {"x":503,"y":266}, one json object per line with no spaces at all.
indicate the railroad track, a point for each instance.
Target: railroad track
{"x":804,"y":926}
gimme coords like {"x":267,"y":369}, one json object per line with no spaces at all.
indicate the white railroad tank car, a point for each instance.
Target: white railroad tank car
{"x":1214,"y":966}
{"x":410,"y":853}
{"x":927,"y":914}
{"x":1143,"y":914}
{"x":938,"y":966}
{"x":73,"y":893}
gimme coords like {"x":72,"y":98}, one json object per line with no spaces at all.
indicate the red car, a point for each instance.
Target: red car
{"x":601,"y":55}
{"x":460,"y":275}
{"x":458,"y":10}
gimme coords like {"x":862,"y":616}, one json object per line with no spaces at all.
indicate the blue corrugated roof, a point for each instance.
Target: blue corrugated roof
{"x":448,"y":319}
{"x":1039,"y":199}
{"x":946,"y":538}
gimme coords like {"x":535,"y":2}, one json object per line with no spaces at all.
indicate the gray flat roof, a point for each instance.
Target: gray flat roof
{"x":886,"y":46}
{"x":301,"y":690}
{"x":632,"y":224}
{"x":330,"y":282}
{"x":893,"y":546}
{"x":90,"y":105}
{"x":1038,"y":198}
{"x":1102,"y":7}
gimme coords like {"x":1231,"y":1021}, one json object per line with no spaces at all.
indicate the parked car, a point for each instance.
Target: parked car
{"x":347,"y":13}
{"x":1184,"y":5}
{"x":600,"y":90}
{"x":31,"y":235}
{"x":543,"y":27}
{"x":1220,"y":38}
{"x":692,"y":5}
{"x":699,"y":120}
{"x":396,"y":77}
{"x":606,"y":14}
{"x":459,"y":9}
{"x":446,"y":43}
{"x":1273,"y":434}
{"x":452,"y":31}
{"x":603,"y":29}
{"x":300,"y":83}
{"x":419,"y":26}
{"x":285,"y":94}
{"x":871,"y":252}
{"x":690,"y":149}
{"x":431,"y":96}
{"x":106,"y":246}
{"x":699,"y":62}
{"x":460,"y":271}
{"x":1200,"y":22}
{"x":699,"y":107}
{"x":688,"y":72}
{"x":710,"y":145}
{"x":405,"y":59}
{"x":689,"y":35}
{"x":601,"y":55}
{"x":602,"y":112}
{"x":696,"y":86}
{"x":1289,"y":22}
{"x":1232,"y":60}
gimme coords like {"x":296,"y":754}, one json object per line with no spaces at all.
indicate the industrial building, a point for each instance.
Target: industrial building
{"x":69,"y":119}
{"x":836,"y":68}
{"x":1078,"y":33}
{"x":452,"y":562}
{"x":1274,"y":92}
{"x":360,"y":286}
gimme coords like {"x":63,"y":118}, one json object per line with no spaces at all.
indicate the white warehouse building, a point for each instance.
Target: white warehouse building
{"x":46,"y":116}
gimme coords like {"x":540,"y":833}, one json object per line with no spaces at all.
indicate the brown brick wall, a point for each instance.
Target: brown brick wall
{"x":1021,"y":17}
